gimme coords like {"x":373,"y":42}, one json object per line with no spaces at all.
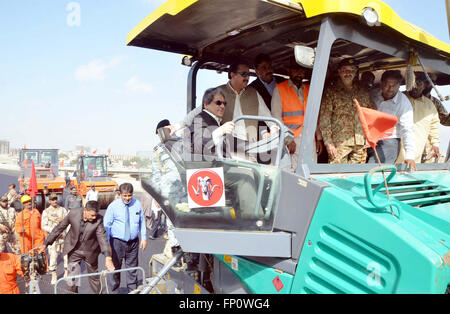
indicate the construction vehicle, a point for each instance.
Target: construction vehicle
{"x":47,"y":175}
{"x":328,"y":228}
{"x":91,"y":170}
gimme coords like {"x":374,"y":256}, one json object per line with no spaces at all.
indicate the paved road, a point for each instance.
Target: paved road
{"x":153,"y":247}
{"x":6,"y":178}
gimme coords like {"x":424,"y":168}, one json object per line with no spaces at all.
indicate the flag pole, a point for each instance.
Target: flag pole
{"x":361,"y":117}
{"x":384,"y":178}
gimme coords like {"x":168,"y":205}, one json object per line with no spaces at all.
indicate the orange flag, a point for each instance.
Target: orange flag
{"x":376,"y":125}
{"x":32,"y":188}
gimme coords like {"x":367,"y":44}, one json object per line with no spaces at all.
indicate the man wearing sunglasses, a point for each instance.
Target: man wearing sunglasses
{"x":241,"y":100}
{"x":206,"y":132}
{"x":244,"y":100}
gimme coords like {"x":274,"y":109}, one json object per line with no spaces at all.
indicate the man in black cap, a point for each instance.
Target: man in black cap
{"x":162,"y":124}
{"x":73,"y":200}
{"x":341,"y":129}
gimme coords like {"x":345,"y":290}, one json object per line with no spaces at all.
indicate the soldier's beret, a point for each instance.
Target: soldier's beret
{"x":348,"y":61}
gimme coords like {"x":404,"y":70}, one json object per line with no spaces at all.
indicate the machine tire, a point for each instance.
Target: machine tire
{"x":105,"y":198}
{"x":40,"y":202}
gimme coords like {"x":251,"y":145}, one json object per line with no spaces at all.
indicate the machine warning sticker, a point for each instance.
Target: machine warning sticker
{"x":227,"y":259}
{"x":234,"y":264}
{"x":278,"y":283}
{"x":205,"y":187}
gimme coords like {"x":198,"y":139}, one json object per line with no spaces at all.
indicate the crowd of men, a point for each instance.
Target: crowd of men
{"x":339,"y":135}
{"x":79,"y":233}
{"x":75,"y":232}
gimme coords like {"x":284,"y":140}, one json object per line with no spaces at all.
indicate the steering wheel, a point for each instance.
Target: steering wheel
{"x":284,"y":135}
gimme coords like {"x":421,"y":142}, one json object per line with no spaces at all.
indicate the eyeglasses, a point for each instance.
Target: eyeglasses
{"x":220,"y":103}
{"x":347,"y":71}
{"x":244,"y":74}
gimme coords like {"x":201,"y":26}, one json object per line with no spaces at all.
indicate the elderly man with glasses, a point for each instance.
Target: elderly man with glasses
{"x":206,"y":132}
{"x":241,"y":100}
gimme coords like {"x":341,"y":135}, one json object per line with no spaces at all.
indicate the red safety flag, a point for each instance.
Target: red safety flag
{"x":32,"y":188}
{"x":376,"y":125}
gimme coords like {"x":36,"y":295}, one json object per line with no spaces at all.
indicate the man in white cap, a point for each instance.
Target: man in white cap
{"x":51,"y":217}
{"x":92,"y":194}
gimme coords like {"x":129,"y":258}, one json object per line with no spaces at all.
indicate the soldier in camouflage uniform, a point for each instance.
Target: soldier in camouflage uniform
{"x":51,"y":217}
{"x":339,"y":123}
{"x":7,"y":229}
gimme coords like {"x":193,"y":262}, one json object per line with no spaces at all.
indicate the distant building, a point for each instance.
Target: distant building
{"x":15,"y":152}
{"x":83,"y":148}
{"x":117,"y":157}
{"x":4,"y":148}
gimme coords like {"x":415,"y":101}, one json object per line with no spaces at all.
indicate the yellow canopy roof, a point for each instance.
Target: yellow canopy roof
{"x":310,"y":8}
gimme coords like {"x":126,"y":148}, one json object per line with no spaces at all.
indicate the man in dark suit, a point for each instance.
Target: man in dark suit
{"x":266,"y":81}
{"x":84,"y":242}
{"x":264,"y":84}
{"x":206,"y":133}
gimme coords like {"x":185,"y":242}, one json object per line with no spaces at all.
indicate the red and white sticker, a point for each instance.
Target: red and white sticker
{"x":278,"y":283}
{"x":205,"y":187}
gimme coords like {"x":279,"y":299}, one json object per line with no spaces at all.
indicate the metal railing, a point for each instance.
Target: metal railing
{"x":104,"y":273}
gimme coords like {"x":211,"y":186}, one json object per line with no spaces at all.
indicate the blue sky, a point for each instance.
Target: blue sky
{"x":63,"y":85}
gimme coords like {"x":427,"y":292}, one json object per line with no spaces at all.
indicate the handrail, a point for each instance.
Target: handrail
{"x":98,"y":274}
{"x":219,"y":146}
{"x":370,"y":193}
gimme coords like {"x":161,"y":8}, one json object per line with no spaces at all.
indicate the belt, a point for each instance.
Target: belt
{"x":129,"y":241}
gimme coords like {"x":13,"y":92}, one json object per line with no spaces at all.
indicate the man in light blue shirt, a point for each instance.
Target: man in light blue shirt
{"x":124,"y":221}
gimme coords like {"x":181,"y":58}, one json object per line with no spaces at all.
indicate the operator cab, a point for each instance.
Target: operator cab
{"x":92,"y":168}
{"x":285,"y":202}
{"x":172,"y":180}
{"x":45,"y":162}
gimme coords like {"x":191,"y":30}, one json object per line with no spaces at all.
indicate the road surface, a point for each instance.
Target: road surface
{"x":153,"y":246}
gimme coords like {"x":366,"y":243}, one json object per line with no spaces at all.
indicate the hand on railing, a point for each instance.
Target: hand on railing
{"x":109,"y":263}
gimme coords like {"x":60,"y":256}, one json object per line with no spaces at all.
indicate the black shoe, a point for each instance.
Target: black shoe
{"x":151,"y":238}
